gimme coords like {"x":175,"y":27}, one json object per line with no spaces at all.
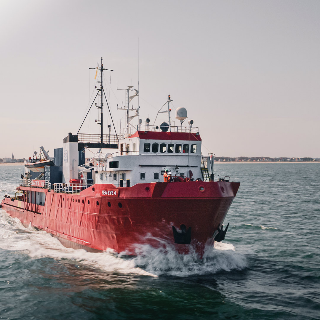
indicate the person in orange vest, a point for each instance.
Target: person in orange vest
{"x":165,"y":176}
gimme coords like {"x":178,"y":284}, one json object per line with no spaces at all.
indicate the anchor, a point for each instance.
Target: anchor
{"x":220,"y":234}
{"x":183,"y":236}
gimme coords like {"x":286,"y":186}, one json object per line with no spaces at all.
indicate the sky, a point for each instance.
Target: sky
{"x":246,"y":71}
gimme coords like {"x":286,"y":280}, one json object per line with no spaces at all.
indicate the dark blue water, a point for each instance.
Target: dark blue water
{"x":268,"y":267}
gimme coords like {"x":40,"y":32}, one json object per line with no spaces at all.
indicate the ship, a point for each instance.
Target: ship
{"x":148,"y":184}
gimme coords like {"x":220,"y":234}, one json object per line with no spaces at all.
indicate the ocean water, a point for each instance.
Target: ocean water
{"x":267,"y":268}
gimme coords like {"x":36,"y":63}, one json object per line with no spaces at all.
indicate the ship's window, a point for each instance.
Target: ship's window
{"x":193,"y":148}
{"x":114,"y":176}
{"x":142,"y":175}
{"x":88,"y":201}
{"x":155,"y":147}
{"x":114,"y":164}
{"x":79,"y":201}
{"x":101,"y":176}
{"x":128,"y":183}
{"x":178,"y":148}
{"x":163,"y":148}
{"x":146,"y":147}
{"x":170,"y":148}
{"x":156,"y":175}
{"x":120,"y":205}
{"x":97,"y":203}
{"x":82,"y":201}
{"x":185,"y":148}
{"x":109,"y":204}
{"x":162,"y":172}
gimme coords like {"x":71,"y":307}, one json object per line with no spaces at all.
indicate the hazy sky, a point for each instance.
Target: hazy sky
{"x":247,"y":71}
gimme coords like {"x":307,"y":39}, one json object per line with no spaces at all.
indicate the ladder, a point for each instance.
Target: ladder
{"x":205,"y":174}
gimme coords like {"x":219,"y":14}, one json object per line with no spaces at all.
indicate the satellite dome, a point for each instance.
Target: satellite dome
{"x":164,"y":127}
{"x":181,"y":113}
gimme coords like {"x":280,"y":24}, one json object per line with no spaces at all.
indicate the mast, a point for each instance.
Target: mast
{"x":101,"y":105}
{"x":169,"y":100}
{"x":101,"y":100}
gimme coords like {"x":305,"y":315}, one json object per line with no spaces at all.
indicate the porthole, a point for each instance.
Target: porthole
{"x":93,"y":189}
{"x":109,"y":204}
{"x":201,"y":188}
{"x":147,"y":188}
{"x":88,"y":201}
{"x":97,"y":203}
{"x":82,"y":201}
{"x":78,"y":200}
{"x":120,"y":205}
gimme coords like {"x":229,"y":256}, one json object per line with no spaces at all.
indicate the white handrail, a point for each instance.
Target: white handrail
{"x":69,"y":187}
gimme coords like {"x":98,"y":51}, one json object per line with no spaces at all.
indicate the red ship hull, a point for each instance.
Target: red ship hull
{"x":103,"y":216}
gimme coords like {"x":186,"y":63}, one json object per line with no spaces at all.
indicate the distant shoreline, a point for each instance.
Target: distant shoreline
{"x":261,"y":162}
{"x":216,"y":162}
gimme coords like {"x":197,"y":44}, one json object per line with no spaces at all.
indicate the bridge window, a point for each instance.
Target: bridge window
{"x":114,"y":164}
{"x":185,"y":148}
{"x":178,"y":148}
{"x":155,"y":147}
{"x":193,"y":148}
{"x":170,"y":148}
{"x":146,"y":147}
{"x":156,"y":175}
{"x":142,"y":175}
{"x":163,"y":148}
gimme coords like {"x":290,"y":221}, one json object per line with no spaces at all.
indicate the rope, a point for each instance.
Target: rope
{"x":87,"y":112}
{"x":158,"y":113}
{"x":114,"y":127}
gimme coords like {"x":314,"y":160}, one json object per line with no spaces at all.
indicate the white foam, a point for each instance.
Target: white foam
{"x":149,"y":261}
{"x":167,"y":261}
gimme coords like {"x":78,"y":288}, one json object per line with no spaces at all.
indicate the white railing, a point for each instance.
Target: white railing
{"x":69,"y":187}
{"x":28,"y":183}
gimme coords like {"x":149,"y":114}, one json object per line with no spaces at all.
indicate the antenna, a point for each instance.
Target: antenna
{"x":169,"y":100}
{"x":138,"y":86}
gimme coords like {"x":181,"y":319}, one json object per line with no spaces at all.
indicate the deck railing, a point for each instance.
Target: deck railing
{"x":96,"y":138}
{"x":69,"y":187}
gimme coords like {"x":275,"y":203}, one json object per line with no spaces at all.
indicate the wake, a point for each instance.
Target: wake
{"x":149,"y":261}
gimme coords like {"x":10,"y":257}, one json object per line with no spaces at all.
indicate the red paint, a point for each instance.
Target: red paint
{"x":151,"y":135}
{"x":137,"y":215}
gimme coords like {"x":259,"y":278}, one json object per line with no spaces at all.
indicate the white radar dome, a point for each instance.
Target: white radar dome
{"x":181,"y":113}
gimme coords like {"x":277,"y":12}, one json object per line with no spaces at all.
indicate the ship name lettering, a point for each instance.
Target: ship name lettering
{"x":109,"y":192}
